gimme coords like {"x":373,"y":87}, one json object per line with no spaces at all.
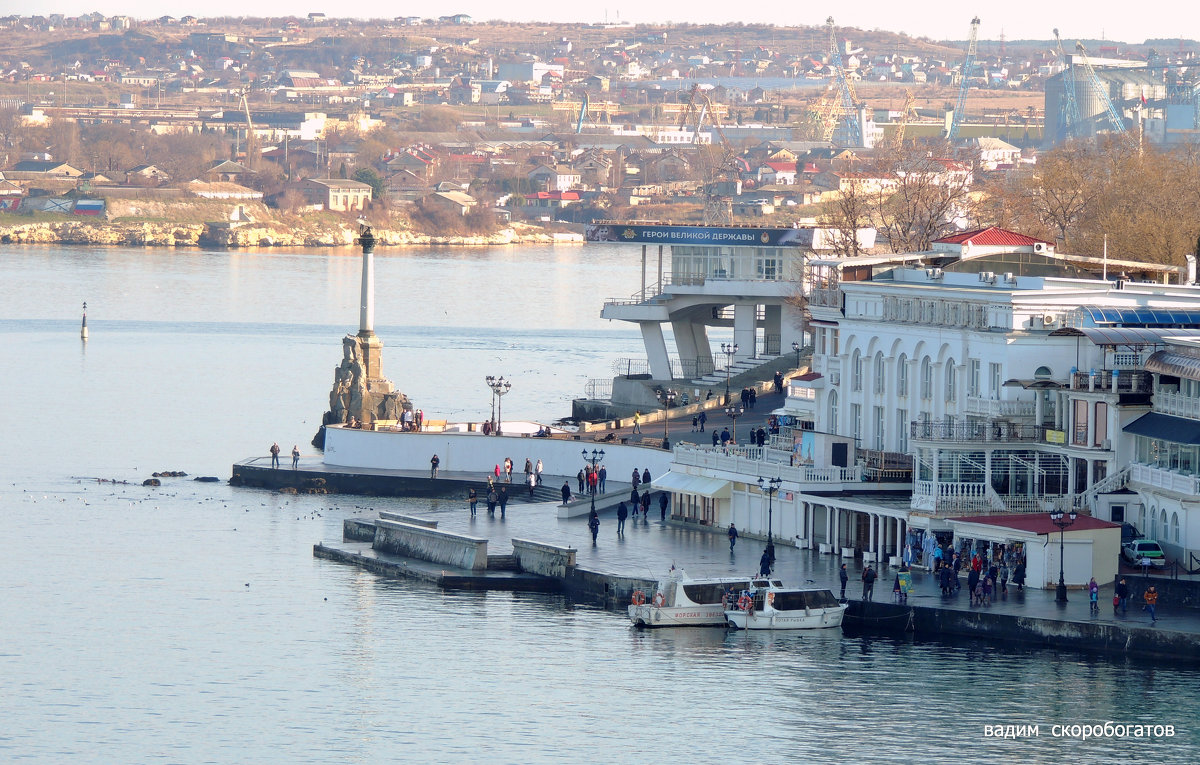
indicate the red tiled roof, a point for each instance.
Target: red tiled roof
{"x":562,"y":195}
{"x":991,"y":236}
{"x":1038,"y":523}
{"x":807,"y":377}
{"x":787,"y":167}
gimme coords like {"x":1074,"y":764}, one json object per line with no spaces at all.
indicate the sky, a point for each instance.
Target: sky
{"x":1017,"y":19}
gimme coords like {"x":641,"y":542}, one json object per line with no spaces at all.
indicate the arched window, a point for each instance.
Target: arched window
{"x":856,"y":368}
{"x":1153,"y":523}
{"x":833,"y":412}
{"x":951,"y":381}
{"x":1162,"y":523}
{"x":926,"y":378}
{"x":880,"y":373}
{"x":1142,"y":518}
{"x":1175,"y":528}
{"x":902,"y":375}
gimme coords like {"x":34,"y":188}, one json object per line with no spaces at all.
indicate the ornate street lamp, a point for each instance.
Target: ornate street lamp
{"x":499,"y":387}
{"x":729,"y":349}
{"x":1056,"y":517}
{"x":669,"y":396}
{"x":796,"y":348}
{"x":770,"y":488}
{"x":733,"y":412}
{"x":595,"y":459}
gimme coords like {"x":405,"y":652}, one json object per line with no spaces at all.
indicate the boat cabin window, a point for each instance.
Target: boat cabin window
{"x":798,"y":600}
{"x":711,"y":592}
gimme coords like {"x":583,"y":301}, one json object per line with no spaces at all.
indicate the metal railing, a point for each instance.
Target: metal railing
{"x":991,"y":408}
{"x":681,"y":369}
{"x":829,"y":297}
{"x":598,"y":389}
{"x":1115,"y":380}
{"x":967,"y":432}
{"x":1162,"y":478}
{"x":754,"y":460}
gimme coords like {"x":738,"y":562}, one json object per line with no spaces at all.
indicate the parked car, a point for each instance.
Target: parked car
{"x":1129,"y":533}
{"x":1134,"y":551}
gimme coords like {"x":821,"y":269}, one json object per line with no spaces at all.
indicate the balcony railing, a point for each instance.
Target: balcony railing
{"x":1161,"y":478}
{"x":753,"y":460}
{"x":829,"y":297}
{"x":1115,"y":380}
{"x":968,"y":432}
{"x":986,"y":407}
{"x":953,"y":497}
{"x":1177,"y":404}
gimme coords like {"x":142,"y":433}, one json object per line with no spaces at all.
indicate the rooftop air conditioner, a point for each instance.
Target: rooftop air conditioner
{"x":1048,"y":320}
{"x":1039,"y":247}
{"x":1010,"y":277}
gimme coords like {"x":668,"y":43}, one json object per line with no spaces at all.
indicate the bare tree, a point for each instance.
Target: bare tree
{"x":921,"y":191}
{"x":850,"y":212}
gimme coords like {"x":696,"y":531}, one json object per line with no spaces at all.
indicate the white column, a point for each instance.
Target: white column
{"x":704,"y":352}
{"x":643,"y":272}
{"x":656,"y":350}
{"x":366,"y":307}
{"x":871,"y":533}
{"x":829,"y":525}
{"x":685,"y":341}
{"x":744,"y":320}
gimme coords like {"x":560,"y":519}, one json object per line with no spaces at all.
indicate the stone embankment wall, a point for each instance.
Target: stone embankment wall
{"x":430,"y":544}
{"x":162,"y":234}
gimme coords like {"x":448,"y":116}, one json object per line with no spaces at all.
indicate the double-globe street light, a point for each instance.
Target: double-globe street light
{"x":729,"y":349}
{"x":595,"y":459}
{"x":770,"y":487}
{"x":733,"y":412}
{"x":1056,"y":517}
{"x":499,"y":387}
{"x":796,"y":348}
{"x":669,"y":401}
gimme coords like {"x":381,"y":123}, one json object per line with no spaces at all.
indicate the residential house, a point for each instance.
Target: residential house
{"x":38,"y":169}
{"x":146,"y":175}
{"x":457,"y":202}
{"x":551,"y":200}
{"x":558,"y":178}
{"x":336,"y":194}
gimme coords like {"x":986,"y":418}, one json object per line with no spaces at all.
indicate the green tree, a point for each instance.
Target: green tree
{"x":371,"y":178}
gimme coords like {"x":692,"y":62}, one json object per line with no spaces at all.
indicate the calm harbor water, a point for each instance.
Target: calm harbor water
{"x":192,"y":624}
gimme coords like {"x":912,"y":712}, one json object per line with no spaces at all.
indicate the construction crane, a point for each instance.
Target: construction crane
{"x":583,"y":110}
{"x":846,"y":109}
{"x":1099,"y":90}
{"x":1068,"y":112}
{"x":905,"y":112}
{"x":717,"y":205}
{"x":250,"y":142}
{"x":964,"y":74}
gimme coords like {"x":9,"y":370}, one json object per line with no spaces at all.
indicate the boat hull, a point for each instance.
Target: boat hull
{"x":693,"y":615}
{"x":770,"y":619}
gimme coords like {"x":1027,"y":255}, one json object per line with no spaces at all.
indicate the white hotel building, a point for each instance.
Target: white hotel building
{"x":992,"y":378}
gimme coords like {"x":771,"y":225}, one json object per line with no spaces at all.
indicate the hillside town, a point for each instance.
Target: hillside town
{"x":449,"y":127}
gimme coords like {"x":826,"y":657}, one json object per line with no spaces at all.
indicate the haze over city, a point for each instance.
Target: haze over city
{"x":1021,"y":19}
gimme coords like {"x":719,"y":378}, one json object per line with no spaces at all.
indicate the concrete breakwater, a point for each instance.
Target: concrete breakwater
{"x":539,"y":567}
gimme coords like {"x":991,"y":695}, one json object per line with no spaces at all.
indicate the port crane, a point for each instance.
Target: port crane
{"x":1099,"y":90}
{"x":718,"y":209}
{"x":846,"y":100}
{"x":968,"y":61}
{"x":1068,"y":112}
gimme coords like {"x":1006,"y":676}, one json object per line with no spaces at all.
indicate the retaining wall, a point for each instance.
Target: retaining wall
{"x":412,"y":520}
{"x":544,"y":559}
{"x":358,"y":530}
{"x":430,"y":544}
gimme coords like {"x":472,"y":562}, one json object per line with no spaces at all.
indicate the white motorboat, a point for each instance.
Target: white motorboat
{"x":679,"y":601}
{"x":777,"y":608}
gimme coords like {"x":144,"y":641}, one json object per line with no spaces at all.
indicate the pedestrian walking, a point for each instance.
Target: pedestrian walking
{"x":635,"y":499}
{"x":497,"y":471}
{"x":1093,"y":597}
{"x":472,"y":500}
{"x":275,"y":455}
{"x":1121,"y":597}
{"x":508,"y":466}
{"x":868,"y":580}
{"x":528,"y":469}
{"x":492,"y":498}
{"x":703,"y":418}
{"x":1003,"y":580}
{"x":531,"y":482}
{"x":663,"y":501}
{"x":566,"y":493}
{"x":622,"y":514}
{"x":843,"y":577}
{"x":593,"y":478}
{"x":602,"y":479}
{"x":695,"y":423}
{"x":637,"y":422}
{"x":725,"y":436}
{"x":733,"y":535}
{"x":1019,"y":575}
{"x":753,"y":397}
{"x":988,"y":585}
{"x":636,"y":480}
{"x":594,"y":525}
{"x":537,"y":472}
{"x":764,"y":564}
{"x":972,"y":583}
{"x":433,"y":466}
{"x":295,"y":456}
{"x":503,"y":500}
{"x":716,"y":437}
{"x":581,"y":478}
{"x":1151,"y":598}
{"x":646,"y":477}
{"x":645,"y":504}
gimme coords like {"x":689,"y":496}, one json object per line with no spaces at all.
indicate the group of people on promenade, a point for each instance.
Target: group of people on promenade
{"x":275,"y":456}
{"x":496,"y":496}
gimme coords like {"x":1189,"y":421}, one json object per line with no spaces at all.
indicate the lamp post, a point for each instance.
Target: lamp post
{"x":796,"y":348}
{"x":595,"y":459}
{"x":729,"y":349}
{"x":499,"y":387}
{"x":770,"y":487}
{"x":1056,"y":517}
{"x":733,"y":412}
{"x":669,"y":395}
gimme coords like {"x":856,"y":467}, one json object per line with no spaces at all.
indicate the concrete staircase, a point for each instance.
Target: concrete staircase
{"x":716,"y":378}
